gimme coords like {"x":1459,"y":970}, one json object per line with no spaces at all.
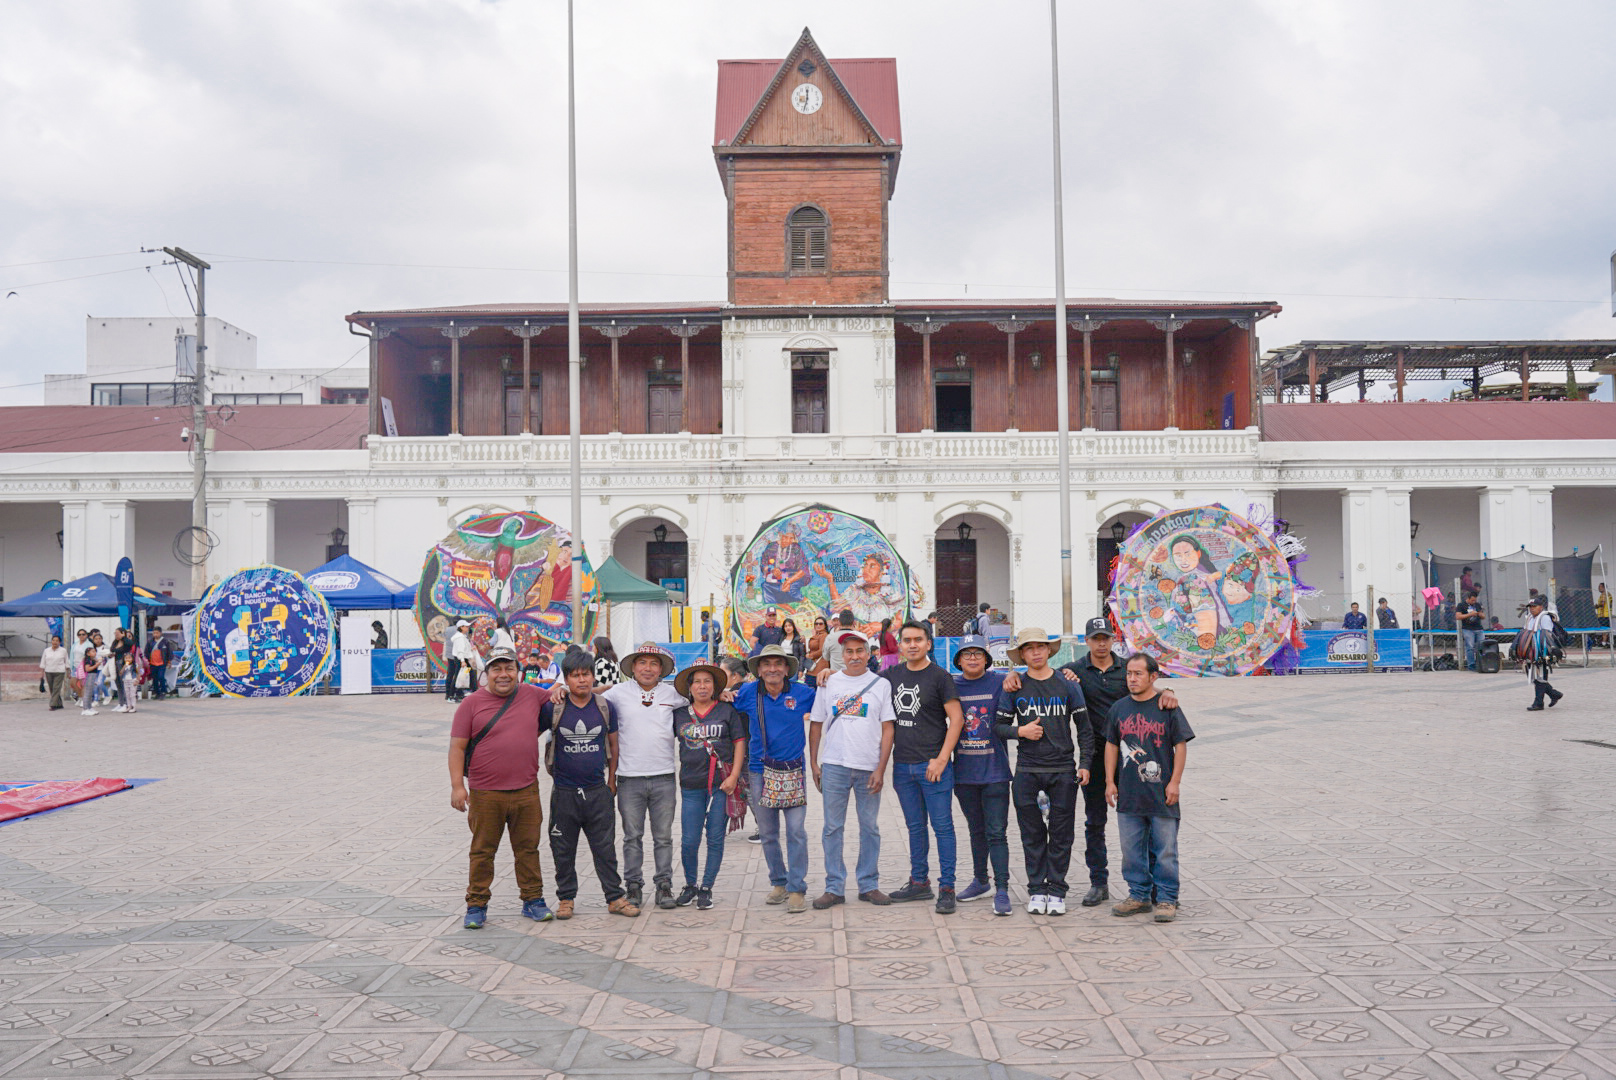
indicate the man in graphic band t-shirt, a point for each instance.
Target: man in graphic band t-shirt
{"x":929,"y":722}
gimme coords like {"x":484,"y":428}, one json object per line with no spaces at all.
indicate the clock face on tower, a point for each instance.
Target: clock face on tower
{"x":806,"y":98}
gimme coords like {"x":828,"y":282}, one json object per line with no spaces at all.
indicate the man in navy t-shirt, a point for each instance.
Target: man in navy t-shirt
{"x":982,"y":774}
{"x":583,"y":763}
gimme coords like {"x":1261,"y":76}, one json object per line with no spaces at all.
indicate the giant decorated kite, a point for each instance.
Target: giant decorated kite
{"x":1204,"y":591}
{"x":816,"y":562}
{"x":510,"y":563}
{"x":263,"y":632}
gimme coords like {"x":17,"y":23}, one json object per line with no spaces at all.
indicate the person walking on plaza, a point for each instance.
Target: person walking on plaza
{"x":1471,"y":627}
{"x":1049,"y":719}
{"x":75,"y":662}
{"x":982,"y":774}
{"x":929,"y":722}
{"x":457,"y":648}
{"x":90,"y":676}
{"x":129,"y":675}
{"x":1539,"y":630}
{"x":494,"y":781}
{"x":1386,"y":616}
{"x":886,"y":642}
{"x":1101,"y":676}
{"x":607,"y":671}
{"x":53,"y":669}
{"x":778,"y":707}
{"x":849,"y":742}
{"x":816,"y":642}
{"x":647,"y":763}
{"x":1146,"y":746}
{"x":159,"y":658}
{"x":712,"y":755}
{"x":582,"y":763}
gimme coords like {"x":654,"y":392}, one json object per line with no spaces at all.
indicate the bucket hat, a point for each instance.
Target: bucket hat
{"x":1027,"y":636}
{"x":650,"y":648}
{"x":774,"y":651}
{"x":681,"y":681}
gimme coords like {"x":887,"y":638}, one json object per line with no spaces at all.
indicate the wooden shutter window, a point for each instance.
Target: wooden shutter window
{"x":808,"y":245}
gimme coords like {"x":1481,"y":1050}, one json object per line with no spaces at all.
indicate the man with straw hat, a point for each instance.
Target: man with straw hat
{"x":712,"y":754}
{"x":647,"y":758}
{"x":1049,"y":719}
{"x":778,"y":707}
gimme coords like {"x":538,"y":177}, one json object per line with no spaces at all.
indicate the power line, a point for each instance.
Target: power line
{"x":74,"y":258}
{"x":80,"y":277}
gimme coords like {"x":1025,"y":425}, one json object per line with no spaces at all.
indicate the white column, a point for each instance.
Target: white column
{"x":245,"y":533}
{"x":1514,"y":516}
{"x":886,"y":356}
{"x":362,"y":529}
{"x":1375,"y":545}
{"x":732,"y":362}
{"x":75,"y":555}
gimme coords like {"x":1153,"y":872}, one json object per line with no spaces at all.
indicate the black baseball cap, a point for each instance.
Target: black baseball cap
{"x":1097,"y":626}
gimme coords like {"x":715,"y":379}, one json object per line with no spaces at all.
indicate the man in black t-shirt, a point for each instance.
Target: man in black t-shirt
{"x":929,"y":724}
{"x":1146,"y":747}
{"x":1472,"y":630}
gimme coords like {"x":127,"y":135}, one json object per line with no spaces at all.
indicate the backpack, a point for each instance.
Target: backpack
{"x":1561,"y":636}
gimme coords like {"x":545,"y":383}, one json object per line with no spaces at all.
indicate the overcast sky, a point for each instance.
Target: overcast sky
{"x":1362,"y":162}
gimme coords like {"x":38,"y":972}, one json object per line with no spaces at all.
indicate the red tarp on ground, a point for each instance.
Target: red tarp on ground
{"x":48,"y":795}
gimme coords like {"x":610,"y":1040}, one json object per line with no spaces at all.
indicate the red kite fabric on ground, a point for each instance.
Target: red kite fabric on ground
{"x":50,"y":794}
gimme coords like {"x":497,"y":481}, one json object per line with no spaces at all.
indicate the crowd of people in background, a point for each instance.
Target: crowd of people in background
{"x":93,"y":672}
{"x":635,"y":743}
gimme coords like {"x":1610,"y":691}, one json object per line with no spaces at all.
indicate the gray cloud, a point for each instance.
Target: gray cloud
{"x":1250,"y":149}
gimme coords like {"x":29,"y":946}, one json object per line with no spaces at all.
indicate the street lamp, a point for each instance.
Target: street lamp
{"x":1119,"y":531}
{"x":963,"y":531}
{"x":1413,"y":529}
{"x":661,"y":533}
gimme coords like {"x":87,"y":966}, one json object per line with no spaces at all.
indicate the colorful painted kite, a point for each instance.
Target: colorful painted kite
{"x":263,"y":632}
{"x":1204,"y":591}
{"x":518,"y":565}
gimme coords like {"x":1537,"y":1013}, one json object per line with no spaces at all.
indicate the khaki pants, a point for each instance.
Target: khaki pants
{"x":490,"y":814}
{"x":53,"y":685}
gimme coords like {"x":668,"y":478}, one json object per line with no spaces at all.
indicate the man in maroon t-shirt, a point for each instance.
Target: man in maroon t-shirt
{"x":503,"y":781}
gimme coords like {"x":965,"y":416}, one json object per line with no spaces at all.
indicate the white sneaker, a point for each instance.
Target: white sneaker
{"x":1035,"y":904}
{"x":90,"y":712}
{"x":1054,"y":905}
{"x":120,"y":708}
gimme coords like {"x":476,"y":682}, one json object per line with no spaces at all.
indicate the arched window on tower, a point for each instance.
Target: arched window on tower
{"x":808,"y":240}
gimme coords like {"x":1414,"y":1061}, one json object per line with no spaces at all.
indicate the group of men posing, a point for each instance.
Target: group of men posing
{"x":1096,"y":732}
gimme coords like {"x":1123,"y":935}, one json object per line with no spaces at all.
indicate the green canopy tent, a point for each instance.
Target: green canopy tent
{"x":633,"y":609}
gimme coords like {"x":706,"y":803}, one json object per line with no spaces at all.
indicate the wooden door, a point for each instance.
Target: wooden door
{"x":662,"y":409}
{"x":1107,"y":413}
{"x":956,"y":573}
{"x":808,"y":402}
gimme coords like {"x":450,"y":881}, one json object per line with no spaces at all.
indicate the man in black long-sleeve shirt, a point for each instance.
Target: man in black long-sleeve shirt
{"x":1047,"y":717}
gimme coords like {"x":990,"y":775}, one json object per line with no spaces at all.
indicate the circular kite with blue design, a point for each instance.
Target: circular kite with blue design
{"x":263,"y":632}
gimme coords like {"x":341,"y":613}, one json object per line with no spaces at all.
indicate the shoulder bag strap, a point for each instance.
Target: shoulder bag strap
{"x":837,"y":715}
{"x":477,"y":738}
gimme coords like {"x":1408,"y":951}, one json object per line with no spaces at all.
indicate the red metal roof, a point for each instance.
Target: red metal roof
{"x":71,"y":429}
{"x":1438,"y":421}
{"x":873,"y":82}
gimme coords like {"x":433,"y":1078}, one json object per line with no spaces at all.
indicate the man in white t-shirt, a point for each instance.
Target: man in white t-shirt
{"x":849,"y":742}
{"x":647,"y":761}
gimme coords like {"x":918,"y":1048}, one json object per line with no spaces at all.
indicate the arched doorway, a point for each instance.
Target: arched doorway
{"x":1108,"y":541}
{"x":971,"y":557}
{"x":658,"y":550}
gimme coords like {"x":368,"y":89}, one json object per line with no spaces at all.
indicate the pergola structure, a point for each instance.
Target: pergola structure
{"x":1323,"y":366}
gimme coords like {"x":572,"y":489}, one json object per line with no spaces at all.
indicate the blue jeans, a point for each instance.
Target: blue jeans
{"x":697,"y":809}
{"x":792,"y":870}
{"x":836,"y":781}
{"x":1471,"y":639}
{"x":987,"y":814}
{"x":924,"y":800}
{"x":1146,"y":840}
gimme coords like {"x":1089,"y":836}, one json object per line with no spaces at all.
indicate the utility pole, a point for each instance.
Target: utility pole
{"x":199,"y":426}
{"x":1063,"y":422}
{"x":574,"y":366}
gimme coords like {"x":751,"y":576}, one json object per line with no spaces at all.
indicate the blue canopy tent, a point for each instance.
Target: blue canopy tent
{"x":93,"y":595}
{"x":349,"y":585}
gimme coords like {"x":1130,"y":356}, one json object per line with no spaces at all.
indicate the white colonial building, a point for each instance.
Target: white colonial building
{"x":809,"y":384}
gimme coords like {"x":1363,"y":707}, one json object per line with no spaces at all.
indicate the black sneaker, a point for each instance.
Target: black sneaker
{"x":634,"y":893}
{"x":915,"y":890}
{"x":945,"y":901}
{"x":687,"y":896}
{"x":755,"y":838}
{"x":704,"y":899}
{"x":664,"y":897}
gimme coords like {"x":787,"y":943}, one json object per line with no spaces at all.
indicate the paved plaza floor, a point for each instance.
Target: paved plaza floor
{"x":1385,"y":878}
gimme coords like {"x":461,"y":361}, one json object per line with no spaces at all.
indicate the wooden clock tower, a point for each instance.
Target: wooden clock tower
{"x":808,"y":151}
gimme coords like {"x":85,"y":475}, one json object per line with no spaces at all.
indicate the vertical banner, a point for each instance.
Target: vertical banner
{"x":354,"y":631}
{"x":125,"y":581}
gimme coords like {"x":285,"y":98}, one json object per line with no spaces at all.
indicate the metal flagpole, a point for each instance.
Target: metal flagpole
{"x":1062,"y":376}
{"x":574,"y":368}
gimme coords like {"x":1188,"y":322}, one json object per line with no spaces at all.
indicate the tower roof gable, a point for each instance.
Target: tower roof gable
{"x":866,"y":88}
